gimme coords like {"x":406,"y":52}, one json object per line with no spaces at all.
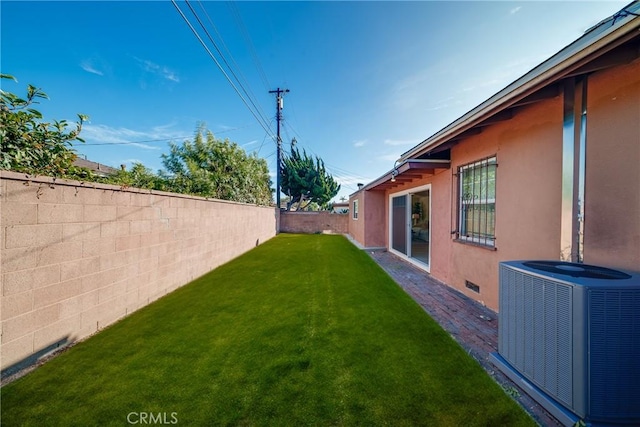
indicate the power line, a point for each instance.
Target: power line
{"x":263,"y":139}
{"x":247,"y":38}
{"x":261,"y":121}
{"x":337,"y":172}
{"x":228,"y":52}
{"x":225,"y":61}
{"x":249,"y":94}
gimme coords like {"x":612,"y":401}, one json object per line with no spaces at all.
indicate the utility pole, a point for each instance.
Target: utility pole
{"x":279,"y":104}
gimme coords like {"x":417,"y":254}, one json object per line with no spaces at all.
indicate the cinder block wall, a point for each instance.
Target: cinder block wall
{"x":75,"y":257}
{"x":313,"y":222}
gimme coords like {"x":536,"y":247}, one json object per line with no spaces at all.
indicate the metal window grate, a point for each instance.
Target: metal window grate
{"x":477,"y":202}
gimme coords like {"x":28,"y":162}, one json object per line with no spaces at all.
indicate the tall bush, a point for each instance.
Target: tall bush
{"x":30,"y":144}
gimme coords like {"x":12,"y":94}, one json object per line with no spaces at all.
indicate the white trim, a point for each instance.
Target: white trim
{"x":354,"y":209}
{"x":419,"y":264}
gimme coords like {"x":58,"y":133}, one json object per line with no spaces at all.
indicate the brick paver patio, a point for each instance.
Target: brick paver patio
{"x":472,"y":325}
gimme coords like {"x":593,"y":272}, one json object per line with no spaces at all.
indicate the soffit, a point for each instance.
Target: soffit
{"x":407,"y":172}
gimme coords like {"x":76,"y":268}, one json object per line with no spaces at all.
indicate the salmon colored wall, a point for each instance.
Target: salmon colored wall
{"x":612,"y":182}
{"x":368,"y":229}
{"x":356,"y":226}
{"x":528,"y":149}
{"x":529,"y":155}
{"x":374,"y":219}
{"x":440,"y":225}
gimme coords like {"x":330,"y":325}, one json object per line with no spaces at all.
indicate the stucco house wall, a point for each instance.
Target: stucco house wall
{"x":366,"y":229}
{"x":528,"y":149}
{"x":612,"y":202}
{"x":529,"y":152}
{"x":529,"y":156}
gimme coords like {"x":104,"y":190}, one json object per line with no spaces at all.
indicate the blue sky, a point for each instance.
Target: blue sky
{"x":367,"y":79}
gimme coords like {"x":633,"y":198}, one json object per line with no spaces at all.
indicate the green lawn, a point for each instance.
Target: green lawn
{"x":302,"y":330}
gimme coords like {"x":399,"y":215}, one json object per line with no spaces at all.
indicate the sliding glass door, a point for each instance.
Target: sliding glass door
{"x":420,"y":204}
{"x":398,"y":224}
{"x":410,"y":225}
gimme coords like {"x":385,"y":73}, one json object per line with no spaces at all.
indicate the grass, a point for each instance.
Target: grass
{"x":302,"y":330}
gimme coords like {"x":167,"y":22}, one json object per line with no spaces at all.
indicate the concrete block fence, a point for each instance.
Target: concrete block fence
{"x":75,"y":257}
{"x":314,"y":222}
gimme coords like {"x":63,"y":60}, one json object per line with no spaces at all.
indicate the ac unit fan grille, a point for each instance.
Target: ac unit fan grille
{"x":575,"y":270}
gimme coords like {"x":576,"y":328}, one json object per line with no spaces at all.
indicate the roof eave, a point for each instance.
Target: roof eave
{"x":427,"y":166}
{"x":550,"y":71}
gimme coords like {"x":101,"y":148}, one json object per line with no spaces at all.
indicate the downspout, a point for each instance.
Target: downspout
{"x":574,"y":140}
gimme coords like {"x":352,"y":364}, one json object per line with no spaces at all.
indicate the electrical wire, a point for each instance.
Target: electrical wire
{"x":230,"y":55}
{"x":333,"y":167}
{"x":264,"y":139}
{"x":215,"y":45}
{"x":257,"y":113}
{"x":249,"y":94}
{"x":340,"y":174}
{"x":247,"y":38}
{"x":195,"y":33}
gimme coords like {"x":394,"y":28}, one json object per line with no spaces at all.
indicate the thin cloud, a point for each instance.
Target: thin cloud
{"x":103,"y":134}
{"x":360,"y":143}
{"x":89,"y":67}
{"x":389,"y":157}
{"x":157,"y":69}
{"x":445,"y":103}
{"x":502,"y":76}
{"x":515,"y":10}
{"x":396,"y":142}
{"x":483,"y":84}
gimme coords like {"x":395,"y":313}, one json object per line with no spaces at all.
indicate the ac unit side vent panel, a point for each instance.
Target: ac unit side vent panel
{"x":614,"y":352}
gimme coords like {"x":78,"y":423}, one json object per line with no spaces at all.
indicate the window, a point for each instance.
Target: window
{"x":354,"y":209}
{"x":477,"y":202}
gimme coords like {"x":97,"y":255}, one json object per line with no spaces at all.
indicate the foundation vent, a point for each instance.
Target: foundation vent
{"x":470,"y":285}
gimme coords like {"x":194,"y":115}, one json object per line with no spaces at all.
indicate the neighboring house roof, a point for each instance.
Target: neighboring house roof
{"x":584,"y":55}
{"x":97,"y":168}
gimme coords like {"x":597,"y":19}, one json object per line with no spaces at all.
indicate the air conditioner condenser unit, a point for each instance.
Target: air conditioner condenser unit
{"x":569,"y":335}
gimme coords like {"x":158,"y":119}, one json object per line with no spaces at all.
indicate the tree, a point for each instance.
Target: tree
{"x":139,"y":177}
{"x":209,"y":167}
{"x":28,"y":144}
{"x":306,"y":180}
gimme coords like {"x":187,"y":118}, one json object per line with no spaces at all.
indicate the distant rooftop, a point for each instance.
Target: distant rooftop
{"x":95,"y":167}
